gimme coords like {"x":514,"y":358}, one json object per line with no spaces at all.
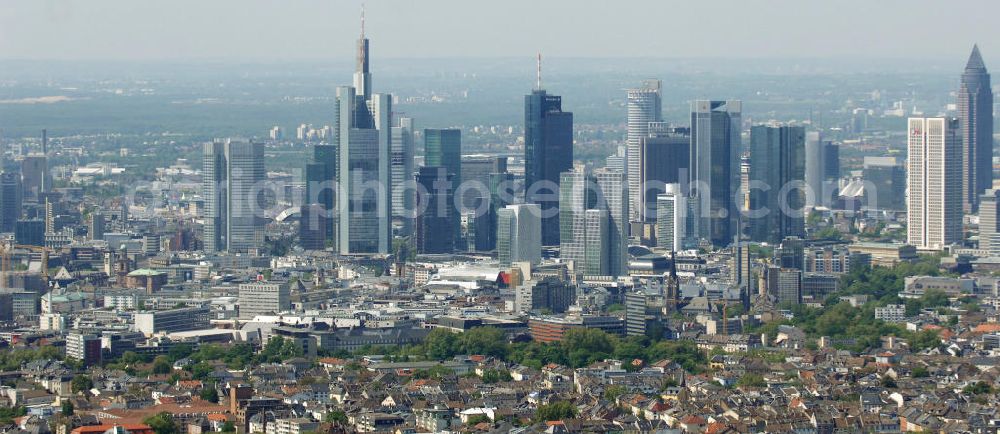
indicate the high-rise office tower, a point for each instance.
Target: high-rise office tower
{"x":519,"y":234}
{"x":435,"y":232}
{"x":815,"y":170}
{"x":318,"y":222}
{"x":596,"y":243}
{"x":671,"y":219}
{"x":314,"y":225}
{"x":480,"y":229}
{"x":612,"y":197}
{"x":577,"y":194}
{"x":263,"y":298}
{"x":664,"y":155}
{"x":579,"y":229}
{"x":401,"y":166}
{"x":934,"y":169}
{"x":884,"y":183}
{"x":362,"y":135}
{"x":644,"y":105}
{"x":989,"y":222}
{"x":548,"y":151}
{"x":742,"y":267}
{"x":790,"y":253}
{"x":97,"y":225}
{"x":715,"y":162}
{"x":784,"y":284}
{"x":975,"y":116}
{"x":831,"y":165}
{"x":616,"y":161}
{"x":476,"y":170}
{"x":231,"y":170}
{"x":777,"y":162}
{"x":501,"y":188}
{"x":34,"y":176}
{"x":443,"y":148}
{"x":10,"y":200}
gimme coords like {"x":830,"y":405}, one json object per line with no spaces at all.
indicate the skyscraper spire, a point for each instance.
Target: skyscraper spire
{"x":975,"y":59}
{"x":362,"y":75}
{"x":538,"y":78}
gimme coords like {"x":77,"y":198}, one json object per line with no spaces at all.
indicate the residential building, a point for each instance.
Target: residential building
{"x":84,"y":347}
{"x":891,"y":313}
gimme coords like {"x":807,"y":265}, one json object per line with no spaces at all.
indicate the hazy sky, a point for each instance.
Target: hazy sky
{"x":325,"y":29}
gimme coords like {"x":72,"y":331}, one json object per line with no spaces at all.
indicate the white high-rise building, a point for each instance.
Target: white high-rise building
{"x":934,"y":183}
{"x":644,"y":106}
{"x":989,"y":222}
{"x":519,"y":234}
{"x":671,"y":218}
{"x":814,"y":170}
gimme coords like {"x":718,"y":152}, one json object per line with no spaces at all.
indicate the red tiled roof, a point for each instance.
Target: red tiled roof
{"x":96,"y":429}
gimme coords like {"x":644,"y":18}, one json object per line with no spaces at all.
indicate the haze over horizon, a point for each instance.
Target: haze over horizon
{"x":257,"y":30}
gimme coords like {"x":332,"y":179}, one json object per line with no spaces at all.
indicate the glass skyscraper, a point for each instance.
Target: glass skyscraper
{"x":644,"y":105}
{"x":231,"y":170}
{"x":715,"y":162}
{"x":363,"y":134}
{"x":975,"y":117}
{"x":777,"y":163}
{"x":548,"y":151}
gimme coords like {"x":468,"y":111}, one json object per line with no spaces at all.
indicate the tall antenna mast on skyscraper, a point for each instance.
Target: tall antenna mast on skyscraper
{"x":538,"y":78}
{"x":362,"y":20}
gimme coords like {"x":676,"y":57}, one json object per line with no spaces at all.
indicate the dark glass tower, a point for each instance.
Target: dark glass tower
{"x":435,"y":211}
{"x":317,"y":220}
{"x":443,"y":148}
{"x":548,"y":151}
{"x":664,"y":157}
{"x":778,"y":161}
{"x":715,"y":164}
{"x":975,"y":114}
